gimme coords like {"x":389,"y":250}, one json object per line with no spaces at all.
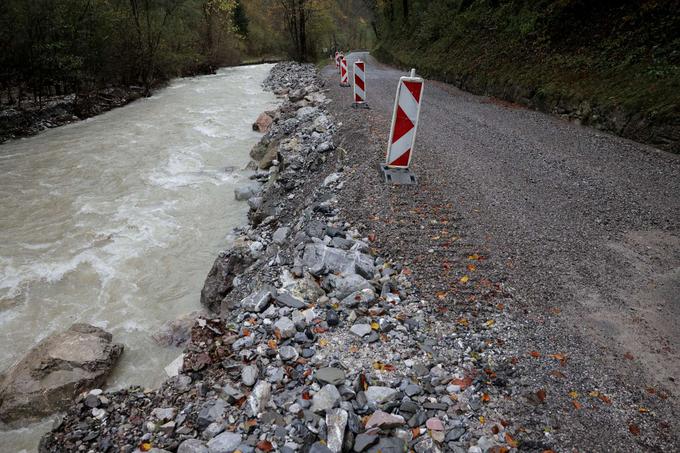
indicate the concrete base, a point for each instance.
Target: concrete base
{"x":345,"y":85}
{"x":398,"y":176}
{"x":360,"y":105}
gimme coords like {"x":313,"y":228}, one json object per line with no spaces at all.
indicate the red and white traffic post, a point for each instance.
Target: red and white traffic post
{"x":403,"y":131}
{"x":337,"y":60}
{"x":359,"y":84}
{"x":344,"y":75}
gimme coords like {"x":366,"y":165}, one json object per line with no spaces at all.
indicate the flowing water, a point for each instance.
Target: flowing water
{"x":115,"y":221}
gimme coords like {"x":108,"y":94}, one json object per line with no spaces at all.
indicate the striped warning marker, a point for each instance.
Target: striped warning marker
{"x":337,"y":60}
{"x":359,"y":82}
{"x":344,"y":76}
{"x":404,"y":121}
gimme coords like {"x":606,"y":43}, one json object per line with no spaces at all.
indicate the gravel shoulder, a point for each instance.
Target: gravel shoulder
{"x":581,"y":230}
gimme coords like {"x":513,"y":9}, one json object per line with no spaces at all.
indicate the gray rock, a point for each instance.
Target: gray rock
{"x":167,"y":413}
{"x":211,"y":412}
{"x":344,"y":285}
{"x":220,"y":279}
{"x":212,"y":430}
{"x":285,"y":327}
{"x":259,"y":397}
{"x":280,"y":235}
{"x":321,"y":259}
{"x":361,"y":330}
{"x":257,"y":302}
{"x":325,"y":399}
{"x":192,"y":446}
{"x":249,"y":375}
{"x":378,"y":394}
{"x":247,"y":191}
{"x":365,"y":297}
{"x":330,"y":375}
{"x":363,"y":441}
{"x":287,"y":300}
{"x":56,"y":370}
{"x":318,"y":447}
{"x":224,"y":443}
{"x":389,"y":445}
{"x":413,"y":390}
{"x":336,"y":421}
{"x":305,"y":289}
{"x":288,"y":353}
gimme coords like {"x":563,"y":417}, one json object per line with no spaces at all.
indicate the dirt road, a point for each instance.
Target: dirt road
{"x":581,"y":226}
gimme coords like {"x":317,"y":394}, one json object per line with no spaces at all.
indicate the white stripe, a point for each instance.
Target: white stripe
{"x":401,"y":146}
{"x":360,"y":92}
{"x":408,"y":103}
{"x":359,"y":72}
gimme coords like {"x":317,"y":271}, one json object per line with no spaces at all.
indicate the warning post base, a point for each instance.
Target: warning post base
{"x":398,"y":176}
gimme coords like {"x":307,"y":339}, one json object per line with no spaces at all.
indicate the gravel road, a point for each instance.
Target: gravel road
{"x":582,"y":227}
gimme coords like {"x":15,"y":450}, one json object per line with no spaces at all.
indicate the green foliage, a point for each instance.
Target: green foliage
{"x":618,"y":55}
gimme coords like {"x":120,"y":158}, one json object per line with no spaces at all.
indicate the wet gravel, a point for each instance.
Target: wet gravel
{"x":571,"y":234}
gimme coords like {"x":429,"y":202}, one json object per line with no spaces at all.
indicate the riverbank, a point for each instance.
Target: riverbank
{"x":322,"y":345}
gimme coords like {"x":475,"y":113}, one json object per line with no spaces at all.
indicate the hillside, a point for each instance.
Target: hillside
{"x":613,"y":65}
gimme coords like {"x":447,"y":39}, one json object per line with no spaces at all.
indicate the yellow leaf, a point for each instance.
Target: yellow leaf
{"x":643,"y":410}
{"x":323,"y":342}
{"x":463,"y":322}
{"x":375,"y":325}
{"x":146,"y":446}
{"x":490,"y":323}
{"x":573,"y":394}
{"x":464,"y":279}
{"x":482,"y":420}
{"x":473,"y":257}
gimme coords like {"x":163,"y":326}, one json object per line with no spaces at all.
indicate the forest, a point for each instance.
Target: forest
{"x":612,"y":64}
{"x":54,"y":47}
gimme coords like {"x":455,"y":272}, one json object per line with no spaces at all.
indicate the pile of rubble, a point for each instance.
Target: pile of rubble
{"x":320,"y":345}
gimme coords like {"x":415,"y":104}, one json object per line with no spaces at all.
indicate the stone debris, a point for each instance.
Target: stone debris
{"x":316,"y":344}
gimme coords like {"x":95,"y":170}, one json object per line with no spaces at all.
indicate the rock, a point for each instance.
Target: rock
{"x":321,"y":259}
{"x":177,"y":332}
{"x":247,"y":191}
{"x":361,"y":330}
{"x":220,"y":279}
{"x":257,"y":302}
{"x":174,"y":367}
{"x":385,"y":421}
{"x":330,"y":179}
{"x":378,"y":394}
{"x":280,"y":235}
{"x":329,"y":375}
{"x":365,"y":298}
{"x":336,"y":421}
{"x":259,"y":397}
{"x":413,"y":390}
{"x":345,"y":285}
{"x":289,"y":301}
{"x":192,"y":446}
{"x":389,"y":445}
{"x":434,"y":424}
{"x":305,"y":288}
{"x":211,"y":412}
{"x":332,"y":318}
{"x":318,"y":447}
{"x":263,"y":123}
{"x":325,"y":399}
{"x":224,"y":443}
{"x":288,"y":353}
{"x":56,"y":370}
{"x":363,"y":441}
{"x":163,"y":414}
{"x":249,"y":375}
{"x":285,"y":327}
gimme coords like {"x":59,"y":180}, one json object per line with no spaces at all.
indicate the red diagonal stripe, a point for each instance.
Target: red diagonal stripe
{"x":402,"y":125}
{"x":359,"y":82}
{"x":415,"y":88}
{"x":402,"y":160}
{"x":357,"y":98}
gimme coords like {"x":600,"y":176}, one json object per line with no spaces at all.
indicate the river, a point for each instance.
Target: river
{"x":116,"y":220}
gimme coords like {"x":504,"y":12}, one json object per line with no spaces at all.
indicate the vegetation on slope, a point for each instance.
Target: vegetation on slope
{"x":612,"y":64}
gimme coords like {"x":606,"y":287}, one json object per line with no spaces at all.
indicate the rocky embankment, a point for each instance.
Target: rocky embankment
{"x":34,"y":117}
{"x":320,"y":345}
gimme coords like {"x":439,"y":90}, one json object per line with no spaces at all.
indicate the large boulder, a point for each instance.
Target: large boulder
{"x":55,"y":371}
{"x":321,"y":259}
{"x":220,"y":279}
{"x":263,"y":122}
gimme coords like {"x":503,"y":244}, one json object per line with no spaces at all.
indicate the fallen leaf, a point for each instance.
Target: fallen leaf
{"x":415,"y":432}
{"x":510,"y":441}
{"x":251,"y":423}
{"x":495,"y":429}
{"x":643,"y":410}
{"x":246,"y":332}
{"x":306,"y":396}
{"x":146,"y":446}
{"x":464,"y":279}
{"x":634,"y":429}
{"x":471,"y":267}
{"x":375,"y":326}
{"x":371,"y":237}
{"x":535,"y":354}
{"x":482,"y":420}
{"x":441,"y":295}
{"x":576,"y":404}
{"x":323,"y":342}
{"x":462,"y":383}
{"x":463,"y":322}
{"x":541,"y":395}
{"x":561,"y":357}
{"x":473,"y":257}
{"x":354,"y":349}
{"x":628,"y":356}
{"x":485,"y":398}
{"x":265,"y":445}
{"x":573,"y":394}
{"x":490,"y":323}
{"x":272,"y":344}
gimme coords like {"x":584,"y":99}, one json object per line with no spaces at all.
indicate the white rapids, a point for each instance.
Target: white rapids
{"x":116,"y":220}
